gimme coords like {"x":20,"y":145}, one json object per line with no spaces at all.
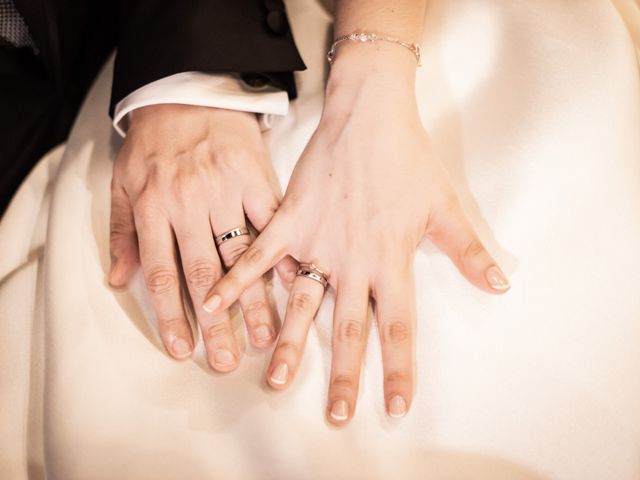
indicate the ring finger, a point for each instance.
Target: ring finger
{"x":349,"y":335}
{"x":395,"y":316}
{"x":233,"y":240}
{"x":304,"y":300}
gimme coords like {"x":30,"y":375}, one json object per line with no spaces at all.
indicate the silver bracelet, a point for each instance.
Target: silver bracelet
{"x":372,"y":37}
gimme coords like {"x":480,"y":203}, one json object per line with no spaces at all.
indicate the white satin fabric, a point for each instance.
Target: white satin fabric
{"x":534,"y":105}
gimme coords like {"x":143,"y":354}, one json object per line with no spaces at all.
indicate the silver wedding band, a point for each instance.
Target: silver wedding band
{"x":309,"y":270}
{"x":236,"y":232}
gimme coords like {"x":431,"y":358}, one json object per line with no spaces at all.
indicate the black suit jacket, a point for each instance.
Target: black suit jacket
{"x":40,"y":95}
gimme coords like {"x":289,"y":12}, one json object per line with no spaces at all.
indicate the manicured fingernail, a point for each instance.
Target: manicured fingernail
{"x":497,"y":279}
{"x":180,"y":348}
{"x":262,"y":334}
{"x":397,"y":407}
{"x":224,"y":358}
{"x":280,"y":373}
{"x":340,"y":410}
{"x":211,"y":304}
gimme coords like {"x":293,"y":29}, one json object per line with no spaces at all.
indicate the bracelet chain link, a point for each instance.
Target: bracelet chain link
{"x":364,"y":37}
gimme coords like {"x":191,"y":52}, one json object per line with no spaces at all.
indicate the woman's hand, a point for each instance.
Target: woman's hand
{"x":185,"y":175}
{"x":365,"y":192}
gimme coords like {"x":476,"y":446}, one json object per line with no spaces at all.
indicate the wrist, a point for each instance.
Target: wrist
{"x":373,"y":59}
{"x":374,"y":72}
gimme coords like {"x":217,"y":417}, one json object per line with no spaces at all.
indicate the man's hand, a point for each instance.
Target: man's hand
{"x":185,"y":175}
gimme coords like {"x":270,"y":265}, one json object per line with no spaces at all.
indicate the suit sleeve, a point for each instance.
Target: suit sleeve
{"x":159,"y":38}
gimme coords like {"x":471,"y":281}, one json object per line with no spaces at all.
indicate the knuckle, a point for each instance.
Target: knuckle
{"x":350,"y":331}
{"x":147,"y":192}
{"x":344,"y":381}
{"x":254,"y":255}
{"x":120,"y":226}
{"x":231,"y":253}
{"x":202,"y":276}
{"x":183,"y":189}
{"x":257,"y":305}
{"x":473,"y":249}
{"x":397,"y":377}
{"x":146,"y":203}
{"x":161,"y":279}
{"x":289,"y":348}
{"x":171,"y":324}
{"x":301,"y":302}
{"x":255,"y":309}
{"x":217,"y":330}
{"x":397,"y":331}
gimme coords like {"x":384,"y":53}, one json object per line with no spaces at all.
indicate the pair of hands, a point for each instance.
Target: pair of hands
{"x":364,"y":193}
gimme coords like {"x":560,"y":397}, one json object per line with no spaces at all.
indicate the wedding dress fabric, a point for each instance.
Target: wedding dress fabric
{"x":534,"y":106}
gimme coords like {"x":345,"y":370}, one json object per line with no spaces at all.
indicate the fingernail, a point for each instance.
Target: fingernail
{"x":279,"y":375}
{"x":114,"y":264}
{"x":180,"y":348}
{"x":340,"y":410}
{"x":211,"y":304}
{"x":397,"y":407}
{"x":262,"y":334}
{"x":497,"y":279}
{"x":224,"y":358}
{"x":113,"y":270}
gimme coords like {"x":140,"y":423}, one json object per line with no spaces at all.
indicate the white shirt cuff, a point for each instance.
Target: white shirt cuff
{"x":206,"y":90}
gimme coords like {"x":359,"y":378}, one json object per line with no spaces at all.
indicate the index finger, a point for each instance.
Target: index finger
{"x":260,"y":257}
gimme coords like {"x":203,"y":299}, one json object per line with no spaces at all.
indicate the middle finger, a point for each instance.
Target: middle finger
{"x":254,"y":301}
{"x":349,"y":335}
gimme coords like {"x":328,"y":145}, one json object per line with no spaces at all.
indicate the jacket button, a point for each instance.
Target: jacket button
{"x":277,"y":22}
{"x":254,"y":80}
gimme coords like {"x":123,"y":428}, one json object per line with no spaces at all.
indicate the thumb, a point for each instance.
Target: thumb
{"x":450,"y":230}
{"x":123,"y":241}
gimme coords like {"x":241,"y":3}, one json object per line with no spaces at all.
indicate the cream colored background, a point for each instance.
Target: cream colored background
{"x":534,"y":105}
